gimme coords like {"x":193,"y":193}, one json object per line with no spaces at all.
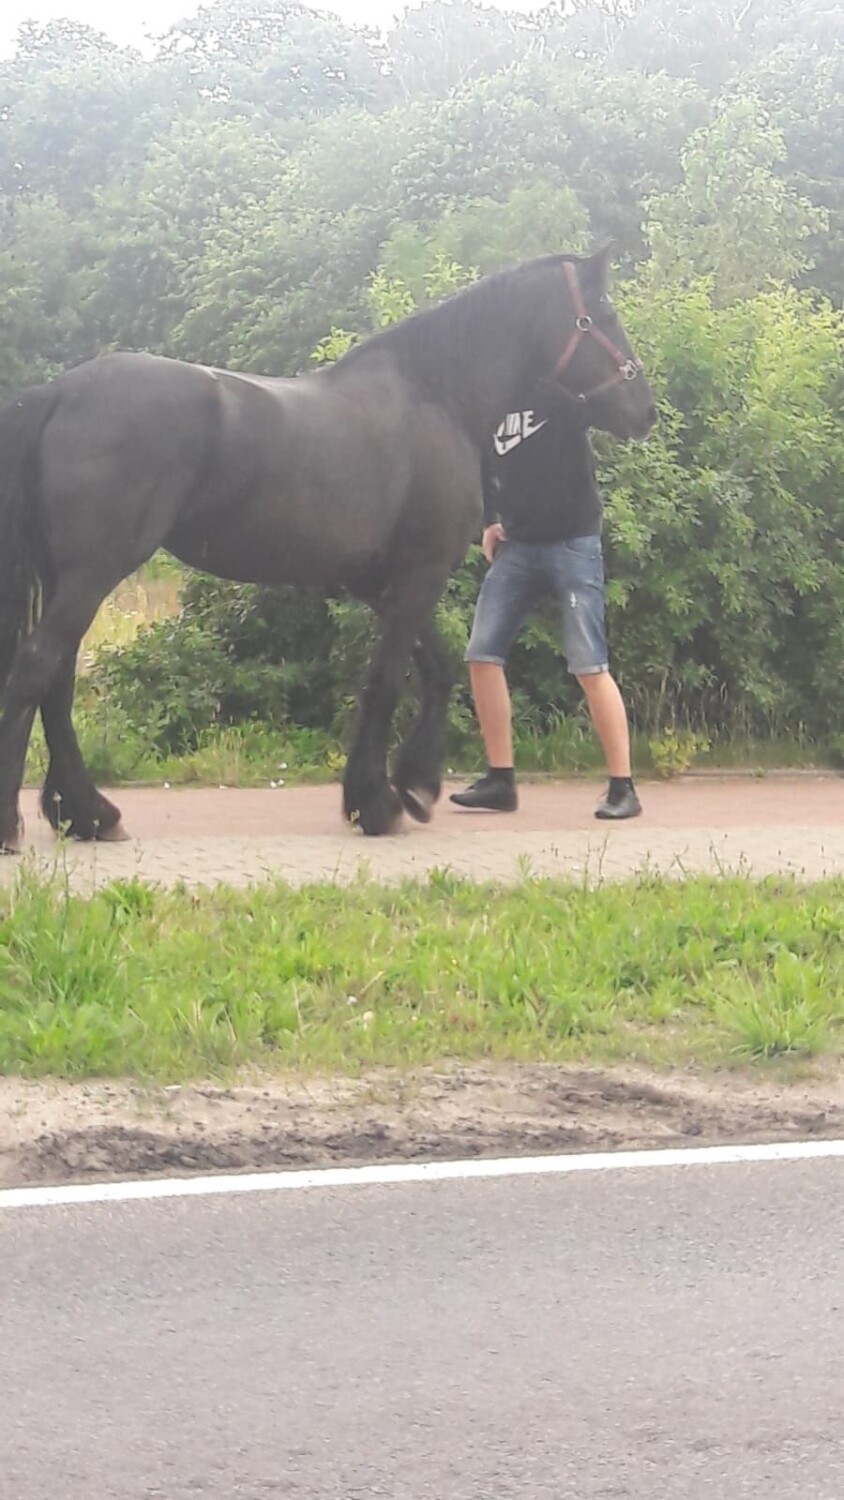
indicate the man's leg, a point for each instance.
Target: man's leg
{"x":579,"y":577}
{"x":495,"y":791}
{"x":507,"y":594}
{"x":610,"y":719}
{"x":609,"y":716}
{"x":492,"y":705}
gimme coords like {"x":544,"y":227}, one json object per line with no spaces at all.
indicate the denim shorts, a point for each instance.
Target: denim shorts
{"x":521,"y":574}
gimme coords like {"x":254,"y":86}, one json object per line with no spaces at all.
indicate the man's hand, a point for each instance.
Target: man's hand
{"x":491,"y":540}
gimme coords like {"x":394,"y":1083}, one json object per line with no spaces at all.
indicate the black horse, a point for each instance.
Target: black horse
{"x":364,"y":477}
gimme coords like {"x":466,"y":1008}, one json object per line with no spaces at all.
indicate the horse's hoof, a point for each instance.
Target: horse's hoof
{"x":377,"y":828}
{"x":382,"y":816}
{"x":379,"y":825}
{"x":116,"y":834}
{"x":12,"y":843}
{"x":418,"y":801}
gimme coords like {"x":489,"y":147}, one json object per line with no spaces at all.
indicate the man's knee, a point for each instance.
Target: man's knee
{"x":593,"y":680}
{"x":481,"y":658}
{"x":485,"y":671}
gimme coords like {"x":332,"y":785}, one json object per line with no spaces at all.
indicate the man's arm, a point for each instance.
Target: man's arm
{"x":491,"y":486}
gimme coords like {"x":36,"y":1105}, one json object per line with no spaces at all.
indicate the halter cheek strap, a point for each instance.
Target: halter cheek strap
{"x":626,"y":368}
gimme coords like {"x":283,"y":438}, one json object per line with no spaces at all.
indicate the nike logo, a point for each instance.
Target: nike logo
{"x":516,"y":428}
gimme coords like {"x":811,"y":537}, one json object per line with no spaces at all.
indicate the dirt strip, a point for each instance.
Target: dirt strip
{"x":52,"y":1132}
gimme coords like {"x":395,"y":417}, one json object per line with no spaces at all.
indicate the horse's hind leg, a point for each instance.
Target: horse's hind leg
{"x":15,"y":730}
{"x":37,"y":663}
{"x":69,"y":800}
{"x":420,"y":760}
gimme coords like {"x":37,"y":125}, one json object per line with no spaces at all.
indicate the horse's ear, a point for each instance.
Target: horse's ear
{"x":598,"y":272}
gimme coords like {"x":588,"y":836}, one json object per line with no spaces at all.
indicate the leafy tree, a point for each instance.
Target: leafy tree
{"x":278,"y":60}
{"x":732,"y":219}
{"x":42,"y":253}
{"x":726,"y":530}
{"x":611,"y":140}
{"x":708,"y":41}
{"x":197,"y":178}
{"x":443,"y":45}
{"x":77,"y":112}
{"x":801,"y":85}
{"x":488,"y":235}
{"x":279,"y":268}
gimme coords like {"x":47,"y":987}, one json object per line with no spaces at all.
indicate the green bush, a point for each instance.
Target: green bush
{"x":235,"y":653}
{"x":725,"y":532}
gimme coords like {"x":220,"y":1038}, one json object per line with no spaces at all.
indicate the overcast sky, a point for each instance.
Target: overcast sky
{"x":133,"y":20}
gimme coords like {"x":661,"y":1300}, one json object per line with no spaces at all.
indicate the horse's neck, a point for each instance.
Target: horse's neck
{"x":477,"y":368}
{"x":501,"y":384}
{"x":499,"y":360}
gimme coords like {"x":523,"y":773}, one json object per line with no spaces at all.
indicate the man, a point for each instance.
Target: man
{"x":542,"y":532}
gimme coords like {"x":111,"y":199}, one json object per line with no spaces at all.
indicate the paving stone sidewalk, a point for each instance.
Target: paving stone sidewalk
{"x":761,"y":826}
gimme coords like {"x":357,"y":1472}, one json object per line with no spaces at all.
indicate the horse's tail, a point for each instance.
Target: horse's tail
{"x":22,"y":422}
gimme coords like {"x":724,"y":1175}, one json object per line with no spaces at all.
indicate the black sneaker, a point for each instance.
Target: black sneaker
{"x":617,"y":805}
{"x":489,"y":794}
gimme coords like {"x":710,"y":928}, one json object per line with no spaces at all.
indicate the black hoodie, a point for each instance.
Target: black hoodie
{"x":539,"y":472}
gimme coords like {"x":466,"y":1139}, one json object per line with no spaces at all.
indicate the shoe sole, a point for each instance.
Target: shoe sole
{"x":608,"y":817}
{"x":483,"y":807}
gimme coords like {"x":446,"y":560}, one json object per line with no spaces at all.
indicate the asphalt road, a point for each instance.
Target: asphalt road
{"x":664,"y":1335}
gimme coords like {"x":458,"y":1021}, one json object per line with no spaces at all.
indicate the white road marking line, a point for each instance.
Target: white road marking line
{"x":413,"y":1172}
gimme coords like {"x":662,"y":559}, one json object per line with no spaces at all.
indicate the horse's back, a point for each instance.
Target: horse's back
{"x":327,"y":481}
{"x":313,"y":480}
{"x":127,"y":407}
{"x":352,"y":478}
{"x":362,"y":467}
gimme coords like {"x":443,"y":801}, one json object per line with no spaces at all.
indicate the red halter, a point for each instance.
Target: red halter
{"x":626,"y":368}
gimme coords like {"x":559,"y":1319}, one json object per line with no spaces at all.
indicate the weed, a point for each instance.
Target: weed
{"x":675,"y":750}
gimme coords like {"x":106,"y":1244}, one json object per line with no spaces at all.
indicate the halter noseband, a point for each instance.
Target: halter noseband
{"x":626,"y":368}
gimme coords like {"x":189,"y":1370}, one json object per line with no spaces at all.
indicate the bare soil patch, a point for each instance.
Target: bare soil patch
{"x":53,"y":1132}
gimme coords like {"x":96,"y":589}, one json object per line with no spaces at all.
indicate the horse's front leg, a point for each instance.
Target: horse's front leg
{"x":405,"y":610}
{"x":420,"y":760}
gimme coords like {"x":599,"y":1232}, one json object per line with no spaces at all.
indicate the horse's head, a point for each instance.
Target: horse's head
{"x":591,"y":354}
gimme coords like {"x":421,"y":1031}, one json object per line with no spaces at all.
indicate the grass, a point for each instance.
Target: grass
{"x":175,"y":985}
{"x":144,"y":598}
{"x":257,"y":754}
{"x":240,"y":755}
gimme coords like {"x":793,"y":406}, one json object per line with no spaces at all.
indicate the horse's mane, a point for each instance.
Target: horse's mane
{"x":439,"y":346}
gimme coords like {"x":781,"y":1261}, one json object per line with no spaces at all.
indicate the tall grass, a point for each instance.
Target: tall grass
{"x":173,"y":985}
{"x":146,"y":597}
